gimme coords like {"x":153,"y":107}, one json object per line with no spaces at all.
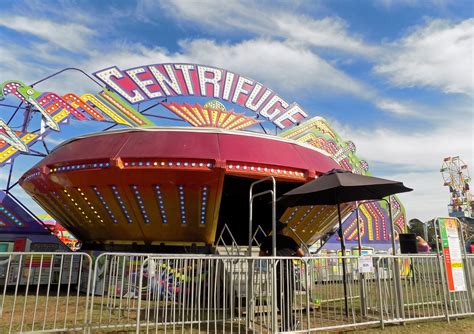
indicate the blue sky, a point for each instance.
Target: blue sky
{"x":395,"y":77}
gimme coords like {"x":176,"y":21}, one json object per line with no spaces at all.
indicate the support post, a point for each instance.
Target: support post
{"x":466,"y":266}
{"x":343,"y":249}
{"x":396,"y":268}
{"x":363,"y":304}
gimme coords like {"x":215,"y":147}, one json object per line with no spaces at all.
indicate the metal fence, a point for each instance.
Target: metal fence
{"x":226,"y":294}
{"x":44,"y":291}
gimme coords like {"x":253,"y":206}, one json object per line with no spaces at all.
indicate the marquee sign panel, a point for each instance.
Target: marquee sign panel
{"x":150,"y":82}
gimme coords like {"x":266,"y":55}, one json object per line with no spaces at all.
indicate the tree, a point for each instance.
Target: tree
{"x":416,"y":226}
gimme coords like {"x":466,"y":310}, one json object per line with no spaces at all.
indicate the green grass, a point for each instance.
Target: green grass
{"x":465,"y":325}
{"x":326,"y":309}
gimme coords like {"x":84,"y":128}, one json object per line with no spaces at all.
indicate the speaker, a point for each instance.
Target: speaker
{"x":408,"y":243}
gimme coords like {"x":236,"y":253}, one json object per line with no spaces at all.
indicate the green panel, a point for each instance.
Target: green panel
{"x":443,"y":232}
{"x":4,"y":247}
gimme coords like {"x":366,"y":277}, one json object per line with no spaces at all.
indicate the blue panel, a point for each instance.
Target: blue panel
{"x":16,"y":219}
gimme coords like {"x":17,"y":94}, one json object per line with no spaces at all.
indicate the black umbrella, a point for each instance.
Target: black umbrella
{"x":339,"y":186}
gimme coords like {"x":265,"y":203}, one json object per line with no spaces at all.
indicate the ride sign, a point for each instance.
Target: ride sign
{"x":451,"y":244}
{"x":150,"y":82}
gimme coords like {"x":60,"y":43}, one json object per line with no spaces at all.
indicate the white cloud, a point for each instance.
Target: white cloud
{"x":393,"y":106}
{"x":3,"y":177}
{"x":284,"y":66}
{"x":69,"y":36}
{"x":415,"y":149}
{"x":28,"y":58}
{"x":266,"y":19}
{"x":18,"y":64}
{"x":415,"y":158}
{"x":388,"y":4}
{"x":15,"y":63}
{"x":126,"y":56}
{"x":429,"y":199}
{"x":54,"y":141}
{"x":438,"y":55}
{"x":280,"y":64}
{"x":329,"y":32}
{"x":288,"y":66}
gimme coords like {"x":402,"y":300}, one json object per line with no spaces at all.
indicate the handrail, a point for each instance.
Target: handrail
{"x":254,"y":238}
{"x":251,"y":198}
{"x":234,"y":242}
{"x":272,"y":193}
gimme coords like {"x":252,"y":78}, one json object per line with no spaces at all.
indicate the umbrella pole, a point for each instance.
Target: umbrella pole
{"x":359,"y":241}
{"x":361,"y":275}
{"x":343,"y":249}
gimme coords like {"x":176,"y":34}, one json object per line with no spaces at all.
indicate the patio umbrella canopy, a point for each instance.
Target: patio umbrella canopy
{"x":339,"y":186}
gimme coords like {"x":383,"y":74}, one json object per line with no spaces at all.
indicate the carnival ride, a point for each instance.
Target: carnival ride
{"x":60,"y":232}
{"x":456,"y":176}
{"x":21,"y":231}
{"x":168,"y":186}
{"x":159,"y":185}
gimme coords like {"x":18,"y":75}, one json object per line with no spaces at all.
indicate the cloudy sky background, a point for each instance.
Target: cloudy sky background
{"x":395,"y":77}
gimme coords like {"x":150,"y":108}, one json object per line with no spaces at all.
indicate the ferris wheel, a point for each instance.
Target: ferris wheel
{"x":456,"y":176}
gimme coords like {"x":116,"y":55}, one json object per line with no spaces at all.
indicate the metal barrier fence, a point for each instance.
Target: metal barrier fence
{"x":227,"y":294}
{"x":44,"y":291}
{"x":115,"y":290}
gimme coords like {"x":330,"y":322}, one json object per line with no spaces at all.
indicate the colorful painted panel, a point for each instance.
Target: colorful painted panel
{"x":106,"y":106}
{"x":209,"y":116}
{"x":374,"y":217}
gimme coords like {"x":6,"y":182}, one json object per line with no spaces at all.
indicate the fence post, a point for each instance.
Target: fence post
{"x":250,"y":295}
{"x":362,"y":292}
{"x":398,"y":289}
{"x":94,"y":283}
{"x":274,"y":299}
{"x":396,"y":268}
{"x":309,"y":289}
{"x":467,"y":264}
{"x":139,"y":301}
{"x":467,"y":270}
{"x":87,"y":321}
{"x":441,"y":268}
{"x":379,"y":288}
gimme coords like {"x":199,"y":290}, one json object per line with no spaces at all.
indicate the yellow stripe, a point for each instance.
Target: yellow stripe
{"x":60,"y":115}
{"x":369,"y":221}
{"x":5,"y":155}
{"x":102,"y":107}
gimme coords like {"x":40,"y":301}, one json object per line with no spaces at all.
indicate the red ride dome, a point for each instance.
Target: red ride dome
{"x":161,"y":185}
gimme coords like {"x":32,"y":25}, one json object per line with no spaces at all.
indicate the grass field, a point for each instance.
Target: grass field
{"x":70,"y":314}
{"x":465,"y":325}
